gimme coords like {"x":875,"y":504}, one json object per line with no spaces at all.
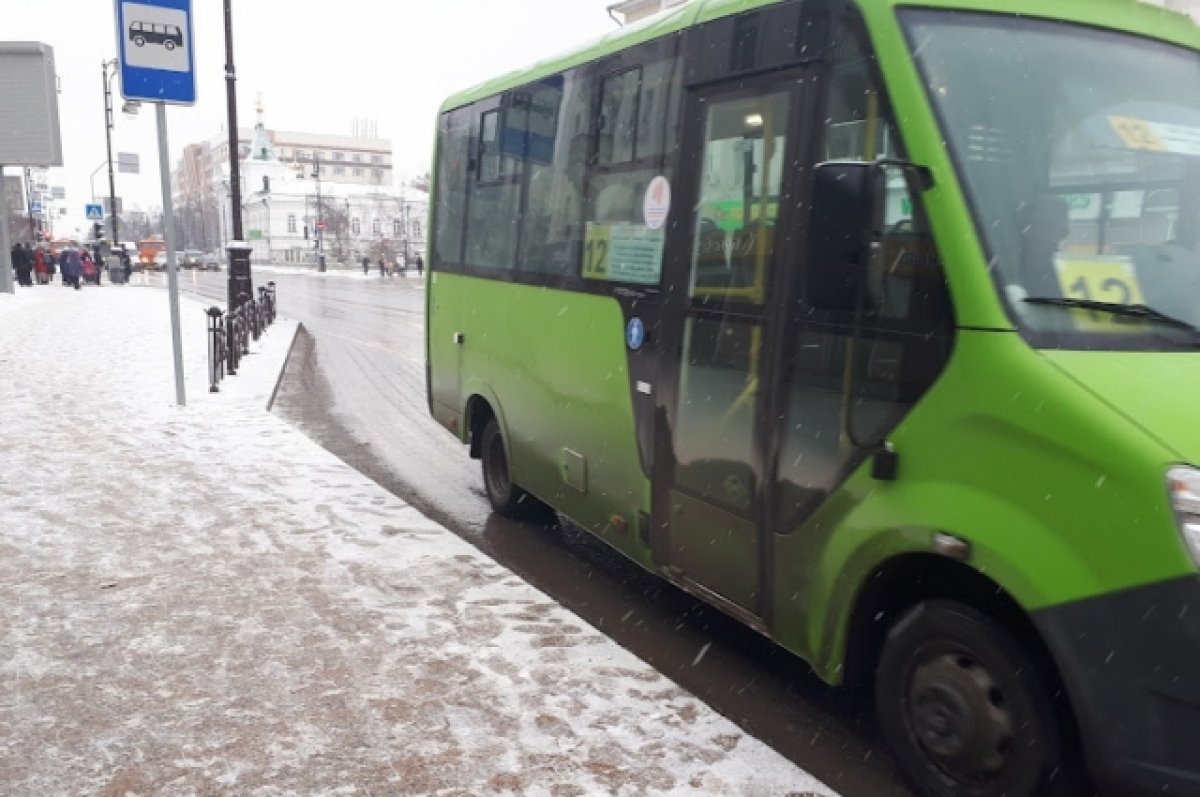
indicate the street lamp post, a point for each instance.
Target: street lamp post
{"x":320,"y":218}
{"x":240,"y":287}
{"x":105,"y":66}
{"x":33,"y":233}
{"x":404,"y":221}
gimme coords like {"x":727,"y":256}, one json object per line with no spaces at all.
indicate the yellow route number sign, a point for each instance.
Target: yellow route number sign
{"x":1100,"y":279}
{"x":1137,"y":133}
{"x":597,"y":244}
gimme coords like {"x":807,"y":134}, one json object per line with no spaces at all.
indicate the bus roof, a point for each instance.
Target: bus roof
{"x":1134,"y":16}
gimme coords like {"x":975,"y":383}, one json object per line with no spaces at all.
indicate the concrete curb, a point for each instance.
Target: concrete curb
{"x":283,"y":368}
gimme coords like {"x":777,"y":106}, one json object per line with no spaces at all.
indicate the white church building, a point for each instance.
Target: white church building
{"x":290,"y":215}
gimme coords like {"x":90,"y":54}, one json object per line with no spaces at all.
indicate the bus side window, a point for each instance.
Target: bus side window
{"x":454,"y":158}
{"x":616,"y":127}
{"x":637,"y":114}
{"x":551,"y":228}
{"x":490,"y":162}
{"x":494,"y":204}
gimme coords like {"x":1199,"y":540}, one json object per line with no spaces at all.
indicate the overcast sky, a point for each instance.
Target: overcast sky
{"x":317,"y":66}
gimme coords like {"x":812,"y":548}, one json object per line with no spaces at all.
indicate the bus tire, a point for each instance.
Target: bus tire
{"x":506,"y":498}
{"x":965,"y":709}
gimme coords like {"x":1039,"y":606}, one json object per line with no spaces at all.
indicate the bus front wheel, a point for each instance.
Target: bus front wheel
{"x":964,"y":709}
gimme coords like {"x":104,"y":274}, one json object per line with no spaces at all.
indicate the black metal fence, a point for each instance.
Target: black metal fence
{"x":230,"y":333}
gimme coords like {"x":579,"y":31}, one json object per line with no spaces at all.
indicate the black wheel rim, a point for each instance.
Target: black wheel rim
{"x":960,"y":717}
{"x":497,"y":470}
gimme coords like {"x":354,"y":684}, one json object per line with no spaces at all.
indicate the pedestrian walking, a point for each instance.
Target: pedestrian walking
{"x":382,"y":267}
{"x":88,"y":265}
{"x":22,"y":264}
{"x":30,"y":261}
{"x":420,"y":265}
{"x":366,"y":264}
{"x":72,"y":267}
{"x":40,"y":266}
{"x":126,"y":261}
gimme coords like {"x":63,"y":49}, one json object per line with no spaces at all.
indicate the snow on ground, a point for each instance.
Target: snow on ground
{"x":200,"y":600}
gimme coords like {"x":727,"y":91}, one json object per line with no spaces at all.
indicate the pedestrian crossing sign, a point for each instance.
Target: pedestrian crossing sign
{"x":95,"y":212}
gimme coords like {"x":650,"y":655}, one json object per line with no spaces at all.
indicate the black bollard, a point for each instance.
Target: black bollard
{"x":216,"y":360}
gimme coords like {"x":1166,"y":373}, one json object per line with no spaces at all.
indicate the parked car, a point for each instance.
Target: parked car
{"x":160,"y":261}
{"x":191,"y":258}
{"x":211,"y":262}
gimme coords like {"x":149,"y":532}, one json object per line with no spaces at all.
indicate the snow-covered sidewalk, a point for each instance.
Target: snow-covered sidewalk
{"x":201,"y":600}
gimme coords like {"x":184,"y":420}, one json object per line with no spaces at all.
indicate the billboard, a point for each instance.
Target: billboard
{"x":29,"y":97}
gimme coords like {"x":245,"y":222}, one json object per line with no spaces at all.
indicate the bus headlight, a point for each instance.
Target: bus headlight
{"x":1183,"y":487}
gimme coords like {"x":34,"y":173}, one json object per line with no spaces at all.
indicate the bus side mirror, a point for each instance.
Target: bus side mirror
{"x":843,"y":210}
{"x":849,"y":215}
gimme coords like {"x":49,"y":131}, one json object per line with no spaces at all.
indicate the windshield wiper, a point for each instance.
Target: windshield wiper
{"x":1127,"y":310}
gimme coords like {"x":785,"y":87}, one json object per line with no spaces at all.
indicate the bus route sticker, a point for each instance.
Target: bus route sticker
{"x":656,"y":205}
{"x":623,"y":253}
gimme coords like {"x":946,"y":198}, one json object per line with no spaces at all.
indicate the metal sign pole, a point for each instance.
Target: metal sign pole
{"x":164,"y":166}
{"x":6,"y":265}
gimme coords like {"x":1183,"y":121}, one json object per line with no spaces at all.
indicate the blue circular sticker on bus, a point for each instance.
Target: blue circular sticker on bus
{"x":635,"y":333}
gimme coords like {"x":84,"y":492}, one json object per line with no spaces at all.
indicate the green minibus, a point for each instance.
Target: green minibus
{"x":874,"y":324}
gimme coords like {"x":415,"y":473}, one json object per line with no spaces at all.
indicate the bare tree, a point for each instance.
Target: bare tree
{"x":337,"y":226}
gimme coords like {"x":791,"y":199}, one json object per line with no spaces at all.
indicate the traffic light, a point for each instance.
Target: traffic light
{"x":97,"y":230}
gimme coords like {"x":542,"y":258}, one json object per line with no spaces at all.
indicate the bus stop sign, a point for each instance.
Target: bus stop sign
{"x":154,"y":40}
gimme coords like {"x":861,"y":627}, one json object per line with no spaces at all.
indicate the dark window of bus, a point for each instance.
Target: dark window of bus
{"x":556,"y":161}
{"x":490,"y":158}
{"x":454,"y":156}
{"x":744,"y":52}
{"x":616,"y":127}
{"x":633,"y":113}
{"x":657,"y":125}
{"x":494,"y":209}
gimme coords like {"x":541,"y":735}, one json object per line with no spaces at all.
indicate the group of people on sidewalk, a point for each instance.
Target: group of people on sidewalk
{"x":77,"y":265}
{"x":387,"y":269}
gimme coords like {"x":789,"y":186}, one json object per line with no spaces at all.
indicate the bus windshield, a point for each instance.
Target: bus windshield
{"x":1079,"y":150}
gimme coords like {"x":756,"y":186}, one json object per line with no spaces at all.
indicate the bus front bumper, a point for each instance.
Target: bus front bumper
{"x":1130,"y":662}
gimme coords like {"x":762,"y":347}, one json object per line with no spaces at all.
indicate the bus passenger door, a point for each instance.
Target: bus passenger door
{"x":710,"y":490}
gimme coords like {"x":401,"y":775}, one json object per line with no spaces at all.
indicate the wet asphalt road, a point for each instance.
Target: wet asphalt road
{"x":356,"y":384}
